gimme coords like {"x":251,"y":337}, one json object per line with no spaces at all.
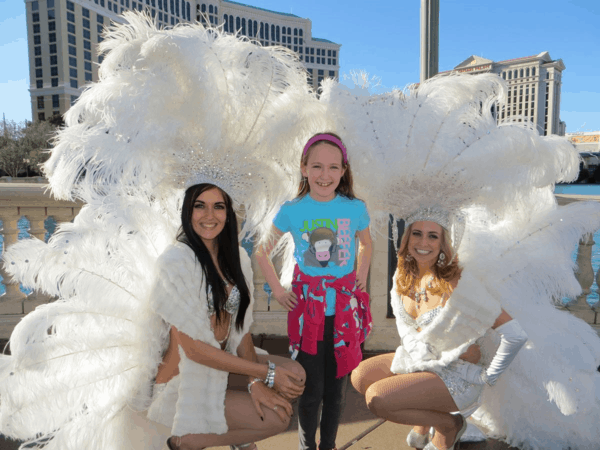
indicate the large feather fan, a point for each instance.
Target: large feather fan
{"x":172,"y":108}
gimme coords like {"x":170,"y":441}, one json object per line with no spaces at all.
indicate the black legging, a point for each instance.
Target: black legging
{"x":321,"y":386}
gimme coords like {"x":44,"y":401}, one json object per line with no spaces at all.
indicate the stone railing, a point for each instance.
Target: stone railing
{"x":33,"y":201}
{"x":585,"y":272}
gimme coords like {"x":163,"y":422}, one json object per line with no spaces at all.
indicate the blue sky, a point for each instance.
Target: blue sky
{"x":382,"y":38}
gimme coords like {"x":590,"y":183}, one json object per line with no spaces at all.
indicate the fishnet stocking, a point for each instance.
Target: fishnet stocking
{"x":419,"y":398}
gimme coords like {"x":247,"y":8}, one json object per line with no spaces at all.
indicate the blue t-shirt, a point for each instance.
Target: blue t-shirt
{"x":324,"y":235}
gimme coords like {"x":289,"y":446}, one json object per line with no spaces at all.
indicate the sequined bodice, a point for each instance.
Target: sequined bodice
{"x":231,"y":305}
{"x":421,"y":321}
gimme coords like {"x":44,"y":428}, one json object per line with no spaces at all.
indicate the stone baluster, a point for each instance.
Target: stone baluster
{"x":12,"y":301}
{"x":585,"y":276}
{"x":36,"y":216}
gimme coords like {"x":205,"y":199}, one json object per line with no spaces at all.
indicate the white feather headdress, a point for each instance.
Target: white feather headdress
{"x":172,"y":108}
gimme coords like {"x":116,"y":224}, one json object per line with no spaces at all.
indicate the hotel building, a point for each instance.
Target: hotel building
{"x":534,"y":86}
{"x":63,"y":36}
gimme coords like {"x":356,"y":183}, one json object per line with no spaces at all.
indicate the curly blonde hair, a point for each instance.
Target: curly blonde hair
{"x":408,"y":271}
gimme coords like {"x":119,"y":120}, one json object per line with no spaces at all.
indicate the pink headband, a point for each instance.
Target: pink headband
{"x":330,"y":138}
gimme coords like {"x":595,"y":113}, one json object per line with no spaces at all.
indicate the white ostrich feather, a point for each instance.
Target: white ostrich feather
{"x":172,"y":108}
{"x":439,"y":146}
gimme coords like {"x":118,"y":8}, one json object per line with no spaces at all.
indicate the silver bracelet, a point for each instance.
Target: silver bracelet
{"x":251,"y":383}
{"x":270,"y":380}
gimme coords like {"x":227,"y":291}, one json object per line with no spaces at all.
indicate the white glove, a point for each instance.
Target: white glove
{"x":418,"y":350}
{"x":512,"y":338}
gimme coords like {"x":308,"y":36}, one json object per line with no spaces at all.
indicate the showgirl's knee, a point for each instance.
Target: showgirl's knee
{"x":295,"y":367}
{"x":357,"y":380}
{"x":376,"y":402}
{"x":273,"y":424}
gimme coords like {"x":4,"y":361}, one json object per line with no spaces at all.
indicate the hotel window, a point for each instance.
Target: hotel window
{"x":86,"y":23}
{"x":70,"y":6}
{"x":39,"y":84}
{"x":332,"y":74}
{"x":88,"y":66}
{"x":73,"y":73}
{"x":54,"y":82}
{"x":53,"y":71}
{"x":100,"y":28}
{"x":328,"y":61}
{"x":41,"y":116}
{"x":53,"y":60}
{"x":318,"y":60}
{"x":74,"y":84}
{"x":74,"y":99}
{"x":35,"y":17}
{"x":521,"y":73}
{"x":88,"y":76}
{"x":72,"y":40}
{"x":71,"y":17}
{"x":40,"y":102}
{"x":37,"y":51}
{"x":50,"y":4}
{"x":37,"y":40}
{"x":51,"y":26}
{"x":87,"y":34}
{"x":102,"y":3}
{"x":51,"y":14}
{"x":87,"y":55}
{"x":87,"y":45}
{"x":52,"y":48}
{"x":85,"y":12}
{"x":39,"y":73}
{"x":71,"y":28}
{"x":55,"y":101}
{"x":533,"y":71}
{"x":334,"y":61}
{"x":35,"y":6}
{"x":109,"y":6}
{"x":72,"y":51}
{"x":301,"y":32}
{"x":527,"y":71}
{"x":36,"y":28}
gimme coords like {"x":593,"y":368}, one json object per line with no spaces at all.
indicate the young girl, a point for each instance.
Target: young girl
{"x":329,"y":314}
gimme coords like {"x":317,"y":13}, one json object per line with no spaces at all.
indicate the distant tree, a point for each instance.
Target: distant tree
{"x":24,"y":146}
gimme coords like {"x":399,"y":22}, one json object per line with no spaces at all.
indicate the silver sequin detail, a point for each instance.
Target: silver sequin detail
{"x":424,"y":319}
{"x":231,"y":305}
{"x":454,"y":382}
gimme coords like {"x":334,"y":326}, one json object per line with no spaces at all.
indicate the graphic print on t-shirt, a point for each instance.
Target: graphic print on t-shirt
{"x":327,"y":244}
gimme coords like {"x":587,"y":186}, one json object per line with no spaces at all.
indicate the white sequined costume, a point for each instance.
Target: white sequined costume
{"x":439,"y":147}
{"x":173,"y":108}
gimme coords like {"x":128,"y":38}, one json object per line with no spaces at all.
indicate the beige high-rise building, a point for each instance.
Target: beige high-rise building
{"x":63,"y":36}
{"x":534,"y":86}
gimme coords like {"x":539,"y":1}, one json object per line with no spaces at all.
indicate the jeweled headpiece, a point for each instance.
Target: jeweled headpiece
{"x":453,"y":222}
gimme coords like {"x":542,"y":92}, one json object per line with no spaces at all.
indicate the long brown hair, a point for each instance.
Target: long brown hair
{"x":408,"y":271}
{"x":345,"y":187}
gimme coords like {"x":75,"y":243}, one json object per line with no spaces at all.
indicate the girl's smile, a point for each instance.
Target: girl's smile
{"x":323,"y":171}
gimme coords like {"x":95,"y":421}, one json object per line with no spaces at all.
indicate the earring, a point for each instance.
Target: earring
{"x":408,"y":258}
{"x":441,"y":260}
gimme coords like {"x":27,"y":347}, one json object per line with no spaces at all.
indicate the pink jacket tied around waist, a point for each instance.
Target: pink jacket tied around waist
{"x":352,"y":324}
